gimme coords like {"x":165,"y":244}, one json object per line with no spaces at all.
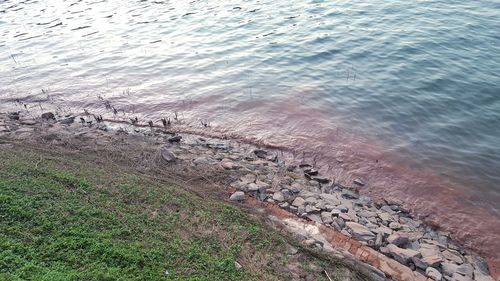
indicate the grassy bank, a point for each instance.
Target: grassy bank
{"x":63,"y":218}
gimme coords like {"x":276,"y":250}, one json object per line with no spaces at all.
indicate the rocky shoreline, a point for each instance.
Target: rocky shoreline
{"x":297,"y":188}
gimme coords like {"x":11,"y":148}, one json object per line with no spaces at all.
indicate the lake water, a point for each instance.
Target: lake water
{"x":403,"y":94}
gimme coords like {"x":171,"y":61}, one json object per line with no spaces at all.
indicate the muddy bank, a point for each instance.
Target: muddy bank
{"x":326,"y":214}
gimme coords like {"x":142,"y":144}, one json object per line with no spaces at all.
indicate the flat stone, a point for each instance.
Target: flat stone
{"x":432,"y":261}
{"x":384,"y":216}
{"x":330,"y":198}
{"x":402,"y":255}
{"x":311,"y":209}
{"x":345,"y":217}
{"x":299,"y":201}
{"x":237,"y":196}
{"x":453,"y":256}
{"x":479,"y":276}
{"x":229,"y":165}
{"x":398,"y":238}
{"x":433,"y":273}
{"x":366,"y":214}
{"x":360,"y":232}
{"x":348,"y":194}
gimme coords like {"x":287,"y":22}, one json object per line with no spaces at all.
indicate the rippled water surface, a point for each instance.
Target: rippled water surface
{"x":405,"y":94}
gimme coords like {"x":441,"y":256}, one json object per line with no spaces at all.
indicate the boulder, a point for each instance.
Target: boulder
{"x":448,"y":268}
{"x":237,"y":196}
{"x":402,"y":255}
{"x":465,"y":270}
{"x":360,"y":232}
{"x":432,"y":261}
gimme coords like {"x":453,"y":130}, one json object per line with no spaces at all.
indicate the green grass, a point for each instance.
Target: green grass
{"x":63,"y":219}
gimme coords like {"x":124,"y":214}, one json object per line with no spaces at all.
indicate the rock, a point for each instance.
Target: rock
{"x":453,"y":256}
{"x":360,"y":232}
{"x":252,"y":187}
{"x":238,"y":266}
{"x":314,"y":217}
{"x":174,"y":139}
{"x":428,"y":250}
{"x":310,"y":172}
{"x":345,"y":217}
{"x":167,"y":155}
{"x":278,"y":196}
{"x":248,"y":178}
{"x":479,"y":264}
{"x":465,"y":270}
{"x":48,"y":116}
{"x":378,"y":240}
{"x":433,"y":273}
{"x":229,"y":165}
{"x":385,"y":231}
{"x":348,"y":194}
{"x":384,"y":216}
{"x":68,"y":121}
{"x":237,"y":196}
{"x":200,"y":161}
{"x":28,"y":122}
{"x":459,"y":277}
{"x":402,"y":255}
{"x":359,"y":182}
{"x":366,"y":214}
{"x":14,"y":115}
{"x":330,"y":199}
{"x":395,"y":225}
{"x":448,"y":268}
{"x":326,"y":217}
{"x":320,"y":180}
{"x":291,"y":168}
{"x":299,"y":201}
{"x":479,"y":276}
{"x":311,"y":209}
{"x":260,"y":153}
{"x":398,"y":238}
{"x":432,"y":261}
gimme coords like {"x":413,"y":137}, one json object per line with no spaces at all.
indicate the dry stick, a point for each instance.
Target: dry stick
{"x":328,"y":276}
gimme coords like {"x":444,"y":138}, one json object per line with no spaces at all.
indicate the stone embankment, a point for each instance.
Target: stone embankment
{"x":322,"y":212}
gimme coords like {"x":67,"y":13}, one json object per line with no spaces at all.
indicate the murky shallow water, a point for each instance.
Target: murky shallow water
{"x":404,"y":95}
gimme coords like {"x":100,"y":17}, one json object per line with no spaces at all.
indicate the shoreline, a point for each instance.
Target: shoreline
{"x":297,"y":188}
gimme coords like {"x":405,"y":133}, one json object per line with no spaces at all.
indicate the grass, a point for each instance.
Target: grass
{"x":62,"y":218}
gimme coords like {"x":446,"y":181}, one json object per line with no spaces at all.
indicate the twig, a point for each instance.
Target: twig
{"x":328,"y":276}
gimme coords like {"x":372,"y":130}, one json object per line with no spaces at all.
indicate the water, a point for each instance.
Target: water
{"x":405,"y":94}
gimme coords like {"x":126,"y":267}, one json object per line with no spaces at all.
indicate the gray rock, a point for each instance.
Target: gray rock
{"x":238,"y":266}
{"x":348,"y":194}
{"x":359,"y":182}
{"x":433,"y":273}
{"x":48,"y":116}
{"x":299,"y":201}
{"x":340,"y":222}
{"x":314,"y":217}
{"x":432,"y":261}
{"x":448,"y":268}
{"x":466,"y":270}
{"x":311,"y":209}
{"x":326,"y":217}
{"x":395,"y":225}
{"x":174,"y":139}
{"x":167,"y":155}
{"x":384,"y":216}
{"x":359,"y":232}
{"x":278,"y":196}
{"x":402,"y":255}
{"x":378,"y":240}
{"x":385,"y":231}
{"x":237,"y":196}
{"x":479,"y":276}
{"x":200,"y":161}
